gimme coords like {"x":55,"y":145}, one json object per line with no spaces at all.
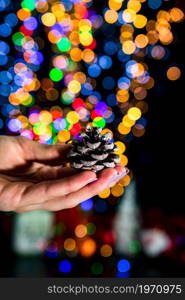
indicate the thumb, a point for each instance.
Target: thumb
{"x":42,"y":153}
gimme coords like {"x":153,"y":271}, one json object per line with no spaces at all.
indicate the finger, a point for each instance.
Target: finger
{"x":89,"y":191}
{"x":11,"y":194}
{"x":105,"y":180}
{"x":47,"y":190}
{"x":122,"y":172}
{"x":63,"y":203}
{"x":46,"y":154}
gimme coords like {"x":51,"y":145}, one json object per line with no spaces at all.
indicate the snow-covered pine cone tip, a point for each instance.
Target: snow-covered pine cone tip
{"x":94,"y":151}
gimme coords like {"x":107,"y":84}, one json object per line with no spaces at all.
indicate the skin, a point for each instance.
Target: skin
{"x":33,"y":177}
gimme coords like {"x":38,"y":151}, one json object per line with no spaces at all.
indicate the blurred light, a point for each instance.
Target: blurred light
{"x":81,"y":231}
{"x":88,"y":247}
{"x":123,"y":265}
{"x":69,"y":244}
{"x":173,"y":73}
{"x":56,"y":74}
{"x":52,"y":252}
{"x":87,"y":205}
{"x":94,"y":70}
{"x":14,"y":125}
{"x":65,"y":266}
{"x":106,"y":250}
{"x":101,"y":206}
{"x":97,"y":268}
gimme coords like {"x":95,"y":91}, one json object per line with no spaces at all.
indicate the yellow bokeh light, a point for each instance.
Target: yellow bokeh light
{"x":127,"y":122}
{"x":117,"y":190}
{"x":173,"y":73}
{"x":115,"y":4}
{"x":123,"y":129}
{"x":121,"y":147}
{"x":64,"y":136}
{"x":111,"y":16}
{"x":88,"y":55}
{"x":48,"y":19}
{"x":74,"y":86}
{"x":134,"y":5}
{"x":81,"y":231}
{"x":129,"y":47}
{"x":76,"y":54}
{"x":129,"y":15}
{"x":80,"y":76}
{"x":141,"y":41}
{"x":58,"y":9}
{"x":104,"y":194}
{"x":106,"y":250}
{"x":123,"y":160}
{"x":45,"y":117}
{"x":125,"y":180}
{"x":140,"y":21}
{"x":69,"y":244}
{"x":88,"y":247}
{"x":122,"y":96}
{"x":86,"y":38}
{"x":134,"y":113}
{"x":176,"y":14}
{"x":73,"y":117}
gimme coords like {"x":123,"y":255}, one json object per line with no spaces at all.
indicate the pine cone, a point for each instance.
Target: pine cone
{"x":94,"y":151}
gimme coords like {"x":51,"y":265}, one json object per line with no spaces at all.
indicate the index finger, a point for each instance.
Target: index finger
{"x":89,"y":191}
{"x":47,"y":190}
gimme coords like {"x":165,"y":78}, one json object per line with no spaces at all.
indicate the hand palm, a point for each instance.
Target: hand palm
{"x":32,"y":177}
{"x":23,"y":162}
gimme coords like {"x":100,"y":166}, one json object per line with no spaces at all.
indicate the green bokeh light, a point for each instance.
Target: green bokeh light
{"x":30,"y":101}
{"x":134,"y":246}
{"x":68,"y":125}
{"x":71,"y":65}
{"x":39,"y":128}
{"x":29,"y":4}
{"x":99,"y":122}
{"x":56,"y":74}
{"x":64,"y":44}
{"x":59,"y":229}
{"x":97,"y":268}
{"x":91,"y":228}
{"x":67,"y":98}
{"x":18,"y":38}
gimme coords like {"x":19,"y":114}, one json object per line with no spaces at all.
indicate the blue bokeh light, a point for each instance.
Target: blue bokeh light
{"x":11,"y":19}
{"x":94,"y":70}
{"x":101,"y":205}
{"x":108,"y":83}
{"x":87,"y":205}
{"x":110,"y":48}
{"x":123,"y":265}
{"x":105,"y":62}
{"x":154,"y":4}
{"x":65,"y":266}
{"x":5,"y":30}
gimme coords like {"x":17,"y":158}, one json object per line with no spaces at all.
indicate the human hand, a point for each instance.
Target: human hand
{"x":32,"y":178}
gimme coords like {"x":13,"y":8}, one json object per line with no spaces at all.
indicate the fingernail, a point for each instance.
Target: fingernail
{"x":92,"y":180}
{"x":124,"y":173}
{"x":119,"y":176}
